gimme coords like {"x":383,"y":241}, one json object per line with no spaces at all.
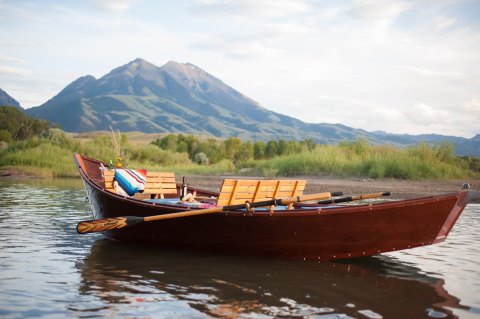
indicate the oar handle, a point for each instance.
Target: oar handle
{"x":280,"y":201}
{"x":375,"y":195}
{"x":353,"y":198}
{"x":184,"y":214}
{"x":306,"y":198}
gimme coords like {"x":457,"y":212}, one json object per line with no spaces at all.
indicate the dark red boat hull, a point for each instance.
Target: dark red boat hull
{"x":316,"y":233}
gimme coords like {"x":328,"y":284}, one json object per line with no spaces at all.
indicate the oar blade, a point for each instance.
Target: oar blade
{"x":98,"y":225}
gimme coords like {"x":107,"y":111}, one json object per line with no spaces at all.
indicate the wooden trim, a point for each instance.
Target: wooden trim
{"x":295,"y":190}
{"x":235,"y":192}
{"x":257,"y":192}
{"x":275,"y":193}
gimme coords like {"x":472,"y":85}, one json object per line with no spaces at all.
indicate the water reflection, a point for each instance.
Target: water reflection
{"x":198,"y":285}
{"x":47,"y":270}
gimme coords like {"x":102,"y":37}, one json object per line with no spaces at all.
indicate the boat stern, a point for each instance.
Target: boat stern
{"x":463,"y":198}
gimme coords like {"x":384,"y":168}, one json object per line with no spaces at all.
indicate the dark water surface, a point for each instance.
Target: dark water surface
{"x":48,"y":271}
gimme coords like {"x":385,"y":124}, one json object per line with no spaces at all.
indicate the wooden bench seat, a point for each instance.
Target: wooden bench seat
{"x":157,"y":185}
{"x":232,"y":192}
{"x":238,"y":191}
{"x":108,"y":177}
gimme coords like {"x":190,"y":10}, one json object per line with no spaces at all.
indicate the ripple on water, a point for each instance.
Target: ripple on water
{"x":47,"y":270}
{"x":432,"y":313}
{"x":370,"y":314}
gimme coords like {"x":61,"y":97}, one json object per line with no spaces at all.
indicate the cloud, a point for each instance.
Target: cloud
{"x":261,"y":41}
{"x":473,"y":107}
{"x":11,"y":71}
{"x":383,"y":11}
{"x":114,"y":6}
{"x":441,"y":23}
{"x":248,"y":8}
{"x":421,"y":114}
{"x":418,"y":118}
{"x":375,"y":65}
{"x":238,"y":47}
{"x":428,"y":72}
{"x":6,"y":58}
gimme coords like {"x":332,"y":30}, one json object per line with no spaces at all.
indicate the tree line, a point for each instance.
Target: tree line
{"x":38,"y":146}
{"x":16,"y":125}
{"x":211,"y":151}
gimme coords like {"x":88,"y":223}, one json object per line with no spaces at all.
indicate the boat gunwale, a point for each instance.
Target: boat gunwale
{"x":315,"y":210}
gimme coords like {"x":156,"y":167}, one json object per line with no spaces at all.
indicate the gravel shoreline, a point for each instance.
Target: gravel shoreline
{"x":400,"y":189}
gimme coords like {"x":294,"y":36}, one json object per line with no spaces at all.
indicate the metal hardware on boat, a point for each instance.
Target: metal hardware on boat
{"x":324,"y":237}
{"x":248,"y":208}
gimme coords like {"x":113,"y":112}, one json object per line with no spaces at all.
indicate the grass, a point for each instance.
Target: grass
{"x":375,"y":162}
{"x":39,"y":159}
{"x":51,"y":156}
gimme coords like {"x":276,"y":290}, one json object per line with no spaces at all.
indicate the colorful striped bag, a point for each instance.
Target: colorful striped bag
{"x":132,"y":181}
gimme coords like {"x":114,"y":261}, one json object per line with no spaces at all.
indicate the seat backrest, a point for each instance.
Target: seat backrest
{"x":108,"y":177}
{"x":238,"y":191}
{"x":157,"y":185}
{"x":160,"y":184}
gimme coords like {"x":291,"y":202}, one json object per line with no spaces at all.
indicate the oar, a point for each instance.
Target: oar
{"x":353,"y":198}
{"x":97,"y":225}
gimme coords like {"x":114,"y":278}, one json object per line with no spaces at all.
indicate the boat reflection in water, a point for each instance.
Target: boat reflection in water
{"x":143,"y":282}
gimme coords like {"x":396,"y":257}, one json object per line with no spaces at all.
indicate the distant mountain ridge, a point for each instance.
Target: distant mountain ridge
{"x":183,"y":98}
{"x":7,"y":100}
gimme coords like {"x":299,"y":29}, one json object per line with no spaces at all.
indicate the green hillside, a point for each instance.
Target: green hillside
{"x":182,"y":98}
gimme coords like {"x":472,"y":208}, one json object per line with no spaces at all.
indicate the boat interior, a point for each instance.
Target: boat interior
{"x":161,"y":188}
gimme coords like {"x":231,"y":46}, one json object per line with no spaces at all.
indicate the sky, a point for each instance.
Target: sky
{"x":380,"y":65}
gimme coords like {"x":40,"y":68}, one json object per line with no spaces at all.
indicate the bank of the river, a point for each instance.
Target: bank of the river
{"x":349,"y":185}
{"x":14,"y":173}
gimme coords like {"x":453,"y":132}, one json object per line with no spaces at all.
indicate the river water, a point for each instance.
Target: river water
{"x":48,"y":271}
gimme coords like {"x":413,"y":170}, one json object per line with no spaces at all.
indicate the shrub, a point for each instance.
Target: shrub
{"x":201,"y":158}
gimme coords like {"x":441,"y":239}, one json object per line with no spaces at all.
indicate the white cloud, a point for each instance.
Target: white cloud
{"x":473,"y":106}
{"x":265,"y":40}
{"x":114,"y":6}
{"x":428,"y":72}
{"x":246,"y":47}
{"x":12,"y":71}
{"x":425,"y":115}
{"x":374,"y":65}
{"x":249,"y":8}
{"x":380,"y":11}
{"x":441,"y":23}
{"x":6,"y":58}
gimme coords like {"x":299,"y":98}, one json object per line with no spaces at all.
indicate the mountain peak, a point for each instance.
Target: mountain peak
{"x":187,"y":69}
{"x":172,"y":64}
{"x":142,"y":68}
{"x":7,"y":100}
{"x":194,"y":78}
{"x":183,"y":98}
{"x":134,"y":68}
{"x":142,"y":64}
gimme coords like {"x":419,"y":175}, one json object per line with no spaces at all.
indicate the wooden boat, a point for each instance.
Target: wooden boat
{"x":304,"y":232}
